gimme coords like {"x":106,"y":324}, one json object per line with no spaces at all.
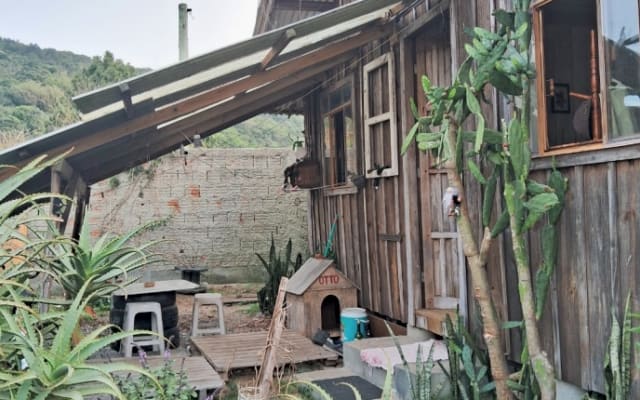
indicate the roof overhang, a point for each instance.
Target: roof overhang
{"x":147,"y":116}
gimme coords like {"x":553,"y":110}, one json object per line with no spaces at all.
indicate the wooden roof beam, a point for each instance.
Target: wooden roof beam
{"x":202,"y":100}
{"x":275,"y":50}
{"x":216,"y":118}
{"x":306,"y":5}
{"x":111,"y":94}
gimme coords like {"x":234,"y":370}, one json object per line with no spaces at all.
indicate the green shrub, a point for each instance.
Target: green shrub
{"x":277,"y":268}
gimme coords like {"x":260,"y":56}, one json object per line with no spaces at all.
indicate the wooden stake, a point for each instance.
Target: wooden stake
{"x":265,"y":375}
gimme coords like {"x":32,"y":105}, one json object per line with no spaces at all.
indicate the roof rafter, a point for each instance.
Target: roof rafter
{"x":197,"y":102}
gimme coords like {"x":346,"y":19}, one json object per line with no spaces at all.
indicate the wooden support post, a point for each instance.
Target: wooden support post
{"x":265,"y":375}
{"x":83,"y":194}
{"x":282,"y":42}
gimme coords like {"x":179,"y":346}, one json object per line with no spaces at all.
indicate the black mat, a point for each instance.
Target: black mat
{"x":367,"y":390}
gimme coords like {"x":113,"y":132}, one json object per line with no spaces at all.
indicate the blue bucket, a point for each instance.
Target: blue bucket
{"x":354,"y":320}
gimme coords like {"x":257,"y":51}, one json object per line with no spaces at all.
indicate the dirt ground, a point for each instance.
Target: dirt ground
{"x":237,"y":317}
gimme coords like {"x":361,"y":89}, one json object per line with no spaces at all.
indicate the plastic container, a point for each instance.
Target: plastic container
{"x":355,"y":324}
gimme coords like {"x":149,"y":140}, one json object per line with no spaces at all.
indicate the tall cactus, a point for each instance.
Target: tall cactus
{"x":500,"y":59}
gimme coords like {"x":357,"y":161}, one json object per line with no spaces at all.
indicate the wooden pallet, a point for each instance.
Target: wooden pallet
{"x":244,"y":350}
{"x":199,"y":372}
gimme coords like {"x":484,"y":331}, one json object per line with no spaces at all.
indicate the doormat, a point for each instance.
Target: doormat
{"x":367,"y":390}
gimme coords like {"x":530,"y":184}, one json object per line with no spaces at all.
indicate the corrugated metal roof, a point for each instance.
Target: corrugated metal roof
{"x":200,"y":95}
{"x":307,"y":274}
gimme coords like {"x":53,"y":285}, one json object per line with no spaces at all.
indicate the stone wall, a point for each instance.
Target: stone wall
{"x":218,"y":206}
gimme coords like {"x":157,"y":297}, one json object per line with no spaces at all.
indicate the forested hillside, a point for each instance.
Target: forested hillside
{"x":36,"y":87}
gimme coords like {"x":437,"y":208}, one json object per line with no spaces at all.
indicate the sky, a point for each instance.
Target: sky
{"x":141,"y":32}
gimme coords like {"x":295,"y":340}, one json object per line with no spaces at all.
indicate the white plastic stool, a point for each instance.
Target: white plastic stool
{"x":130,"y":312}
{"x":207,"y":299}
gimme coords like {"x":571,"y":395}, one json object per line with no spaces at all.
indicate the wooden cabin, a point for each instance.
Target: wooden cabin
{"x":394,"y":240}
{"x":316,"y":295}
{"x":351,"y":67}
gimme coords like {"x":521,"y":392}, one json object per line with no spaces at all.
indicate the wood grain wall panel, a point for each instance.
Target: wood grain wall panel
{"x":628,"y":231}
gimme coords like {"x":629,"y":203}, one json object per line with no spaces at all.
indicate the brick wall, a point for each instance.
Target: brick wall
{"x":220,"y":206}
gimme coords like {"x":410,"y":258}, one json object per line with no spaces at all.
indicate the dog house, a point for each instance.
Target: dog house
{"x":316,"y":294}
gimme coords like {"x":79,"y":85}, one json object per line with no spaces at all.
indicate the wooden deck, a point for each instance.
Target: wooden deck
{"x":244,"y":350}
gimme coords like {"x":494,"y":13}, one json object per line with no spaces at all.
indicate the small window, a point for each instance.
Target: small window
{"x":588,"y":65}
{"x":339,"y":136}
{"x":380,"y":124}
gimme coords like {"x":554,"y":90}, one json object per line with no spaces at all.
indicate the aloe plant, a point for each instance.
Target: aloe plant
{"x":100,"y":264}
{"x":43,"y":364}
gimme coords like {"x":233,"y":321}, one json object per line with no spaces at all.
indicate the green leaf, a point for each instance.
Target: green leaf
{"x":475,"y":171}
{"x":426,"y":84}
{"x":429,"y":137}
{"x":541,"y":288}
{"x":505,"y":18}
{"x":485,"y":34}
{"x":472,"y":102}
{"x":505,"y":85}
{"x":463,"y":72}
{"x":479,"y":133}
{"x":489,"y":197}
{"x":409,"y":139}
{"x":541,"y":203}
{"x":535,"y":188}
{"x":414,"y":108}
{"x":532,"y":218}
{"x":559,"y":185}
{"x":522,"y":29}
{"x":512,"y":324}
{"x":473,"y":53}
{"x":424,"y":146}
{"x":501,"y":224}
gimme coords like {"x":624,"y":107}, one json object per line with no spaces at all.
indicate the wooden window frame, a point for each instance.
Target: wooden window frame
{"x":543,"y":148}
{"x":347,"y":187}
{"x":370,"y":120}
{"x":605,"y":141}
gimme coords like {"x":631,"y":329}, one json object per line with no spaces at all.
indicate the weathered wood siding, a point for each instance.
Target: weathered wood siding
{"x":368,"y":241}
{"x":599,"y":229}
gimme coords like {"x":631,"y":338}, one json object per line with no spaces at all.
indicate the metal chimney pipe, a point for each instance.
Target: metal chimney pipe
{"x":183,"y":31}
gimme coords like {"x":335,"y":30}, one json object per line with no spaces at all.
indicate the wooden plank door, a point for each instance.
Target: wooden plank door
{"x":443,"y":266}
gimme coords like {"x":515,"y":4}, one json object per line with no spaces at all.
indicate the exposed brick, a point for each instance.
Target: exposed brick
{"x":221,"y":208}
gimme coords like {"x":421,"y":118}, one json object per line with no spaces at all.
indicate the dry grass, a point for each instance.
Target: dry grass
{"x":8,"y":140}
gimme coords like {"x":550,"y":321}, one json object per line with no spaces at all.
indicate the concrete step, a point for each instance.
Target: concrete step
{"x":353,"y":362}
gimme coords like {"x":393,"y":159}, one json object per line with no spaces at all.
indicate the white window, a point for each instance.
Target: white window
{"x":380,"y":123}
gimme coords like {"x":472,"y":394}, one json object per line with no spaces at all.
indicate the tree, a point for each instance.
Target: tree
{"x":102,"y":71}
{"x":500,"y":59}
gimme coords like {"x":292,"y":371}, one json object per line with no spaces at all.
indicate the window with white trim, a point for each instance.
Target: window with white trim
{"x":380,"y":123}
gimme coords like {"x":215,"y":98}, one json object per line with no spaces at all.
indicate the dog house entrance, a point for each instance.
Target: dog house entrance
{"x":330,"y":310}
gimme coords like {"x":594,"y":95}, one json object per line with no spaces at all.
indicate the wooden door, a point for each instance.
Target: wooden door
{"x":443,"y":269}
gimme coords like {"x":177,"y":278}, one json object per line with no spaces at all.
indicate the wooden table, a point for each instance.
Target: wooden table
{"x":173,"y":285}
